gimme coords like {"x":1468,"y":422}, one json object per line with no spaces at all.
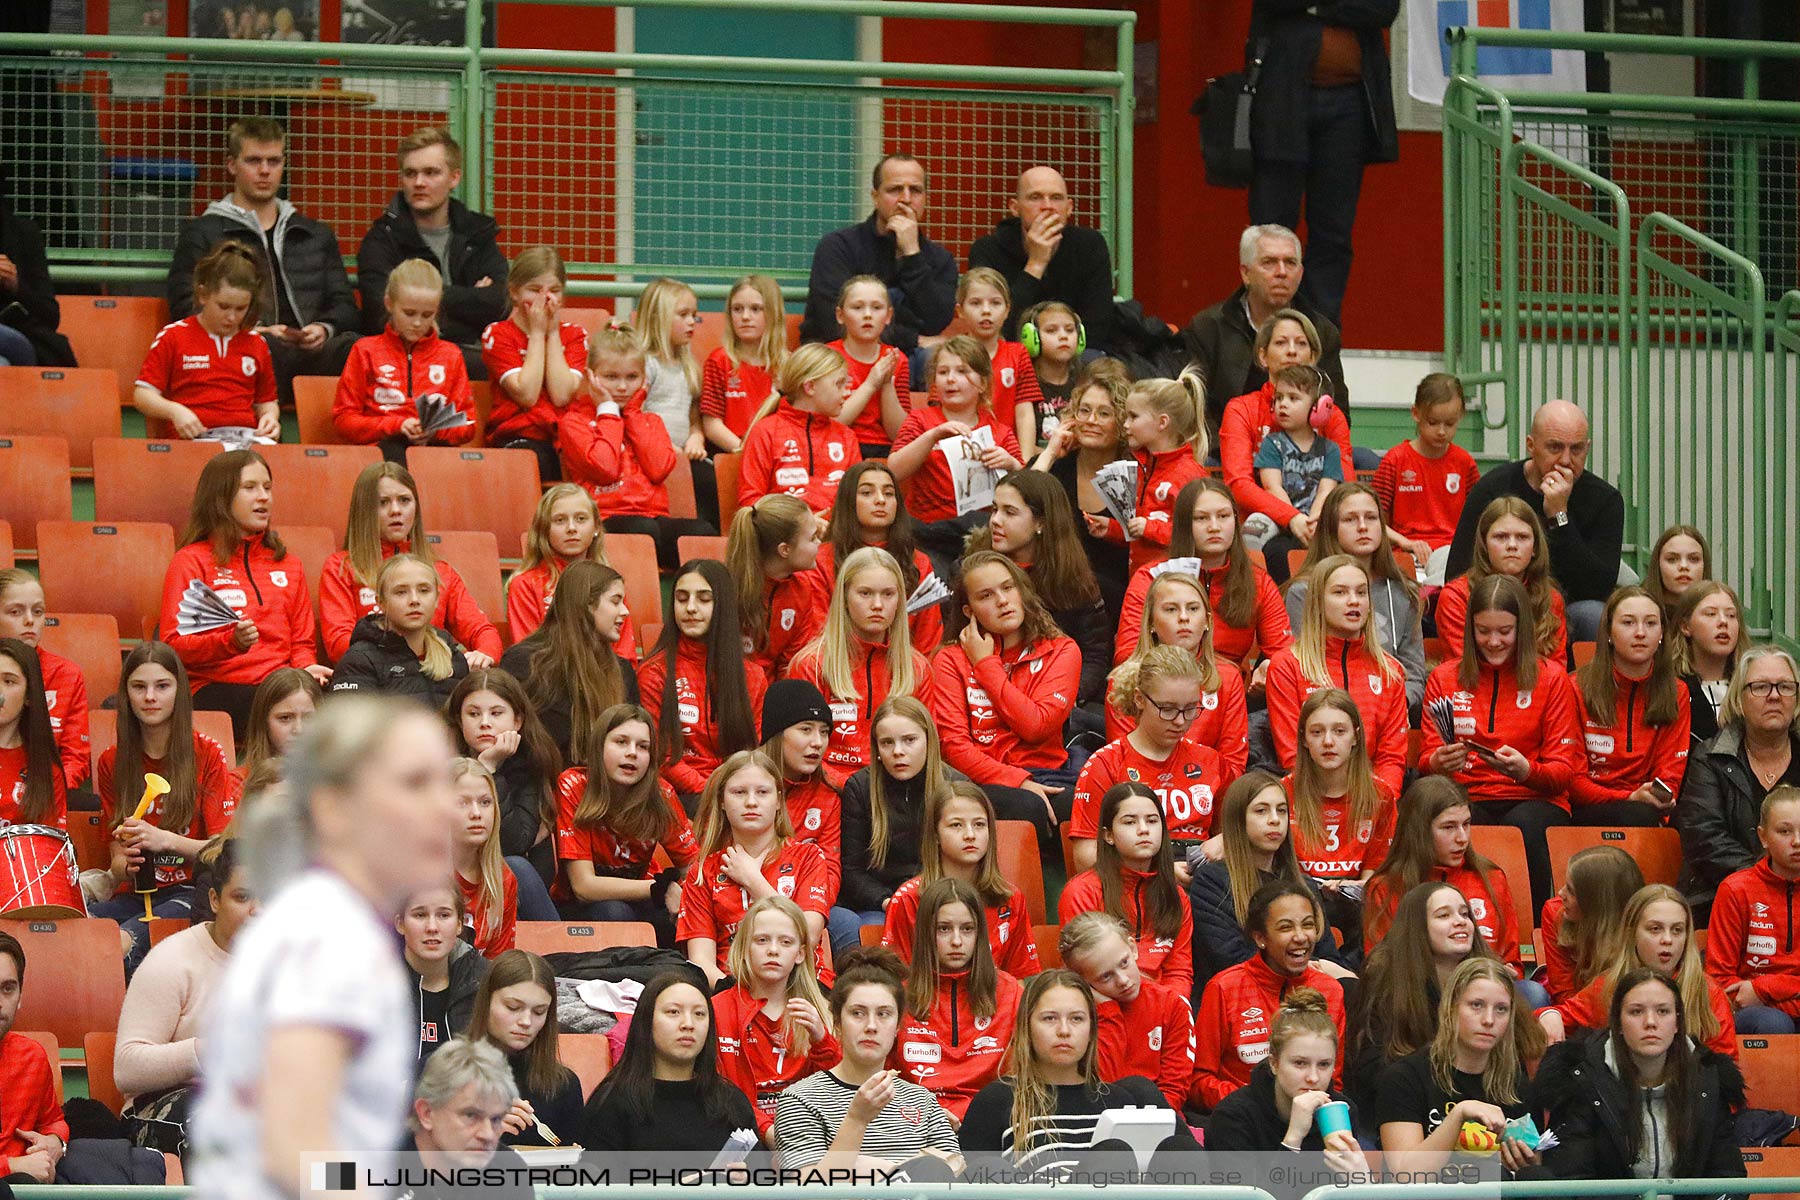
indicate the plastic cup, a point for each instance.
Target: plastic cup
{"x":1332,"y":1118}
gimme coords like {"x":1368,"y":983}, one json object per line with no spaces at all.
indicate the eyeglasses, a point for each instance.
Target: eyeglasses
{"x":1175,"y":712}
{"x":1762,"y":689}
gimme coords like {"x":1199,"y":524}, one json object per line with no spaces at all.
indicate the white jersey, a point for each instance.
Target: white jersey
{"x":318,"y":956}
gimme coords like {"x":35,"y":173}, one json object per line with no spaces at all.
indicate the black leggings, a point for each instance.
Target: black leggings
{"x":233,"y":699}
{"x":667,"y":532}
{"x":549,"y":464}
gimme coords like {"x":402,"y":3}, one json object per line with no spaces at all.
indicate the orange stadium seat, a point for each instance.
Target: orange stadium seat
{"x":91,"y":642}
{"x":103,"y":732}
{"x":36,"y":471}
{"x":76,"y":404}
{"x":93,"y":846}
{"x":648,"y":632}
{"x":1770,"y":1080}
{"x":1772,"y":1162}
{"x":483,"y":397}
{"x":1015,"y":845}
{"x":98,"y":1049}
{"x":1047,"y":939}
{"x":138,"y":480}
{"x":115,"y":568}
{"x":1582,"y":653}
{"x":313,"y":395}
{"x":591,"y":317}
{"x":792,"y":323}
{"x":312,"y":545}
{"x":726,"y":469}
{"x":680,"y":485}
{"x":1504,"y":846}
{"x":551,"y":937}
{"x":710,"y":336}
{"x":633,"y":555}
{"x":312,"y":483}
{"x":691,"y":548}
{"x":492,"y":490}
{"x":113,"y":332}
{"x":54,"y":1052}
{"x":7,"y":558}
{"x":589,"y":1055}
{"x":476,"y":557}
{"x":1657,"y":851}
{"x":77,"y":974}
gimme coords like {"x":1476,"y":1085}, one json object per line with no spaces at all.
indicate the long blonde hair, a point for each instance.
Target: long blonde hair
{"x":1203,"y":653}
{"x":809,"y":364}
{"x":1034,"y":1099}
{"x":1690,"y":968}
{"x":1306,"y":812}
{"x":772,"y":349}
{"x":492,"y":880}
{"x":835,"y":649}
{"x":802,"y":982}
{"x":1523,"y":1041}
{"x":413,"y":273}
{"x":931,"y":775}
{"x":711,"y":828}
{"x":656,"y":315}
{"x":990,"y":885}
{"x":538,"y":551}
{"x":1603,"y":880}
{"x":437,"y":662}
{"x":1309,"y":639}
{"x":1182,"y":400}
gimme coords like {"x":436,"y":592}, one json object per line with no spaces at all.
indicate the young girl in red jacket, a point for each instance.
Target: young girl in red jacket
{"x":1584,"y":923}
{"x":1165,"y":426}
{"x":231,"y":546}
{"x":1145,"y":1027}
{"x":156,"y":736}
{"x":796,"y":729}
{"x":565,"y":529}
{"x":386,"y":373}
{"x":212,"y":370}
{"x":869,"y":511}
{"x":1250,"y":622}
{"x":621,"y":453}
{"x":1750,"y":946}
{"x":1162,"y":686}
{"x":1338,"y":646}
{"x":1518,"y":710}
{"x":1133,"y":879}
{"x":1231,"y":1031}
{"x":772,"y":552}
{"x":32,"y":791}
{"x":796,"y":445}
{"x":610,"y":823}
{"x":1004,"y":688}
{"x":533,"y":359}
{"x":1342,"y":815}
{"x":747,"y":851}
{"x":1176,"y":613}
{"x":880,"y":382}
{"x":959,"y":844}
{"x":705,"y":693}
{"x":65,"y":692}
{"x":490,"y":892}
{"x":960,"y":1006}
{"x":770,"y":1024}
{"x":1509,"y":540}
{"x":1424,"y":482}
{"x":862,"y":656}
{"x":739,"y":375}
{"x":1635,"y":718}
{"x":386,"y":518}
{"x":983,"y":301}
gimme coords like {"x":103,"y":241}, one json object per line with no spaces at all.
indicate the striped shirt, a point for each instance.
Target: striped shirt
{"x":809,"y":1113}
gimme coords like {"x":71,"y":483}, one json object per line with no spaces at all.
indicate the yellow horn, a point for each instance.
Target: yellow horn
{"x":154,"y":786}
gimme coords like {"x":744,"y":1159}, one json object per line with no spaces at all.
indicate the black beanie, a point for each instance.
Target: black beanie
{"x":789,"y":702}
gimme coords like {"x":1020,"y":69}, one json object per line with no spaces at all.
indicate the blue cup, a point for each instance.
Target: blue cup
{"x":1332,"y":1118}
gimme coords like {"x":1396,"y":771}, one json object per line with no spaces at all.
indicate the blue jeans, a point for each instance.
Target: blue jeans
{"x":1584,"y":620}
{"x":178,"y":901}
{"x":534,"y":897}
{"x":1534,"y":995}
{"x":1761,"y":1019}
{"x":16,"y":349}
{"x":844,"y":927}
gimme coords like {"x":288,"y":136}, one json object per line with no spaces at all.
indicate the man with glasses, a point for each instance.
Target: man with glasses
{"x":461,"y":1100}
{"x":1583,"y":515}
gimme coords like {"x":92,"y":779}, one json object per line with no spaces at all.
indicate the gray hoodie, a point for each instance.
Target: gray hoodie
{"x":1397,"y":622}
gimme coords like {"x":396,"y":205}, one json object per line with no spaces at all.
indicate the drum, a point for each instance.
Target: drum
{"x":38,"y":875}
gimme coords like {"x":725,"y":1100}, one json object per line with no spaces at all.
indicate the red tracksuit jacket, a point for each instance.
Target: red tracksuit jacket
{"x":732,"y":393}
{"x":1422,"y":498}
{"x":268,"y":591}
{"x":952,"y":1053}
{"x":868,"y":427}
{"x":700,"y":750}
{"x":1345,"y":853}
{"x":215,"y":799}
{"x":1005,"y":714}
{"x":927,"y":625}
{"x":384,"y":375}
{"x":930,"y":493}
{"x":1223,"y":723}
{"x":1231,"y":1034}
{"x":1588,"y":1009}
{"x":795,"y":608}
{"x":1168,"y":961}
{"x":753,"y":1052}
{"x":1490,"y":906}
{"x":13,"y":772}
{"x":853,"y":717}
{"x":343,"y":601}
{"x":1627,"y":753}
{"x":712,"y":906}
{"x":1188,"y":783}
{"x":1160,"y":479}
{"x":65,"y":695}
{"x":528,"y":596}
{"x":1008,"y":929}
{"x":818,"y":818}
{"x":1380,"y":699}
{"x":1452,"y":617}
{"x":1152,"y":1036}
{"x":503,"y":346}
{"x":1247,"y":421}
{"x":1269,"y":633}
{"x":621,"y":458}
{"x":611,"y":854}
{"x":1540,"y":724}
{"x":796,"y":453}
{"x":1751,"y":936}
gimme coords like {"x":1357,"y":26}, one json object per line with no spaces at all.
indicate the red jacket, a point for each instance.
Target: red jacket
{"x":1540,"y":724}
{"x":1587,"y":1009}
{"x":1559,"y":963}
{"x":818,"y":818}
{"x":796,"y":453}
{"x":611,"y":854}
{"x":1422,"y":498}
{"x":27,"y":1094}
{"x":1015,"y":382}
{"x":1004,"y":715}
{"x":1752,"y":936}
{"x":503,"y":346}
{"x":1160,"y":479}
{"x":951,"y":1052}
{"x":853,"y":717}
{"x":343,"y":601}
{"x":712,"y":906}
{"x":621,"y":458}
{"x":475,"y":914}
{"x":700,"y":750}
{"x":1380,"y":699}
{"x":528,"y":596}
{"x":1008,"y":929}
{"x":795,"y":609}
{"x":1490,"y":906}
{"x":1223,"y":723}
{"x":753,"y":1052}
{"x":1247,"y":421}
{"x":1231,"y":643}
{"x":927,"y":625}
{"x":868,"y":427}
{"x":732,"y":393}
{"x":1231,"y":1034}
{"x":930,"y":493}
{"x":13,"y":772}
{"x":1345,"y":853}
{"x":1452,"y":617}
{"x":384,"y":376}
{"x":1168,"y":961}
{"x":65,"y":695}
{"x":215,"y":799}
{"x":1188,"y":784}
{"x":262,"y":588}
{"x":1152,"y":1036}
{"x":1626,"y":753}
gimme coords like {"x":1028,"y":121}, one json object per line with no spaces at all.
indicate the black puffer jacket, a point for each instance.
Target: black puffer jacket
{"x":379,"y":660}
{"x":473,"y":254}
{"x":1718,"y":813}
{"x":866,"y":888}
{"x":312,"y":265}
{"x":1291,"y":30}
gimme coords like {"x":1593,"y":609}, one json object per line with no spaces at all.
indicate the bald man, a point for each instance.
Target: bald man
{"x":1583,"y":515}
{"x":1046,"y":256}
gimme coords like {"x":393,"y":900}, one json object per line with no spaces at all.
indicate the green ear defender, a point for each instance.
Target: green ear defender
{"x":1033,"y":341}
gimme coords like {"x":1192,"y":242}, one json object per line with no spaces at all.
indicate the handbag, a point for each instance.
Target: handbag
{"x":1224,"y":111}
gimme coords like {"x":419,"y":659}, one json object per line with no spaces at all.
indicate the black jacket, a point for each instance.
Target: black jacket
{"x":1586,"y":1104}
{"x":312,"y":265}
{"x":1705,"y":726}
{"x":558,"y":716}
{"x":1091,"y":631}
{"x":926,"y":283}
{"x":559,"y":1109}
{"x":1219,"y":941}
{"x":1247,"y":1119}
{"x":1584,"y":554}
{"x":521,"y":809}
{"x":1289,"y":32}
{"x":866,"y":888}
{"x":1718,"y":812}
{"x":1222,"y":343}
{"x":467,"y":970}
{"x":1080,"y":275}
{"x":379,"y":660}
{"x":23,"y":242}
{"x":474,"y":253}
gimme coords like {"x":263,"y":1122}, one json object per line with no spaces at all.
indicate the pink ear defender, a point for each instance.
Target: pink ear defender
{"x":1324,"y":408}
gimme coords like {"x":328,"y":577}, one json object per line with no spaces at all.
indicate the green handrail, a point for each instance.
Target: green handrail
{"x":1462,"y":177}
{"x":1579,"y":1189}
{"x":1620,"y":43}
{"x":719,"y":64}
{"x":221,"y":50}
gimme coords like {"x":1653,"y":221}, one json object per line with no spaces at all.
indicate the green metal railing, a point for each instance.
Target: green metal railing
{"x":1575,"y":1189}
{"x":632,"y":164}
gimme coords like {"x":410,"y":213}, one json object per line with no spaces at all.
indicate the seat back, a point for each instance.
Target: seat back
{"x":633,"y":555}
{"x":7,"y":557}
{"x":313,"y":483}
{"x":1657,"y":850}
{"x":1767,"y":1061}
{"x":726,"y":470}
{"x":491,"y":490}
{"x":113,"y":332}
{"x":312,"y":545}
{"x":693,"y":547}
{"x":313,"y":398}
{"x":589,"y":1055}
{"x":98,"y":1049}
{"x":551,"y":937}
{"x":680,"y":485}
{"x":1505,"y":847}
{"x":91,"y":642}
{"x":476,"y":557}
{"x":1015,"y":845}
{"x":36,"y":474}
{"x":53,"y":1052}
{"x":77,"y":977}
{"x":77,"y":404}
{"x":139,"y":480}
{"x":113,"y":567}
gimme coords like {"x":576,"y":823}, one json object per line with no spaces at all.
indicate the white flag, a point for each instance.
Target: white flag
{"x":1507,"y":68}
